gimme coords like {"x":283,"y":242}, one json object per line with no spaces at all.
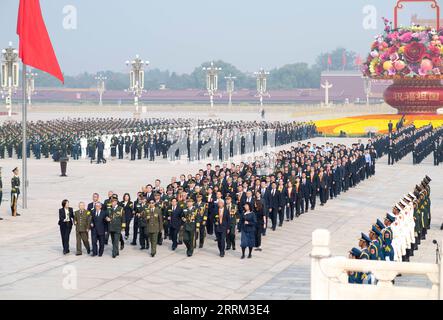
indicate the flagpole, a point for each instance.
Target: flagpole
{"x":24,"y":138}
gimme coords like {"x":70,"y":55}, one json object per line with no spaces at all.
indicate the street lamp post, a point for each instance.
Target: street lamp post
{"x":137,"y":78}
{"x":230,"y":87}
{"x":30,"y":86}
{"x":9,"y":75}
{"x":261,"y":77}
{"x":368,"y":89}
{"x":101,"y":87}
{"x":211,"y":81}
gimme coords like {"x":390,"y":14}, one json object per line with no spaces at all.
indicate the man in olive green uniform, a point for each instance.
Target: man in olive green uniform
{"x":82,"y":222}
{"x":15,"y":192}
{"x":116,"y":220}
{"x":143,"y":224}
{"x":155,"y":225}
{"x":200,"y":220}
{"x":189,"y":215}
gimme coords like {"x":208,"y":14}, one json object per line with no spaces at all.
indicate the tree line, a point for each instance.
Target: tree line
{"x":296,"y":75}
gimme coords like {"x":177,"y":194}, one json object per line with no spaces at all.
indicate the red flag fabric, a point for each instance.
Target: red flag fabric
{"x":344,"y":61}
{"x":35,"y":47}
{"x":329,"y":60}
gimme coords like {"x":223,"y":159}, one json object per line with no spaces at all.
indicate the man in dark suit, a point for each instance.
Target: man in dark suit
{"x":95,"y":199}
{"x":265,"y":192}
{"x":274,"y":203}
{"x":305,"y":192}
{"x":175,"y":222}
{"x":98,"y":227}
{"x":222,"y":222}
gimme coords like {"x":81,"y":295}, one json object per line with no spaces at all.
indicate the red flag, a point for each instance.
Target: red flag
{"x":344,"y":61}
{"x":358,"y":61}
{"x":329,"y":60}
{"x":35,"y":47}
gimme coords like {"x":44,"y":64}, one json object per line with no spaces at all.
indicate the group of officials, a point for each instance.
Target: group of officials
{"x":220,"y":201}
{"x":398,"y":235}
{"x":102,"y":138}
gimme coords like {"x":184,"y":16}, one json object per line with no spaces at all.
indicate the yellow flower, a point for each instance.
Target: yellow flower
{"x":401,"y":50}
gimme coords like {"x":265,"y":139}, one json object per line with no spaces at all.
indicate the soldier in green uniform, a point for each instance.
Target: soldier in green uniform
{"x":142,"y":214}
{"x":200,"y":220}
{"x":82,"y":222}
{"x":188,"y":217}
{"x":15,"y":192}
{"x":155,"y":225}
{"x":116,"y":220}
{"x":235,"y":218}
{"x":159,"y":204}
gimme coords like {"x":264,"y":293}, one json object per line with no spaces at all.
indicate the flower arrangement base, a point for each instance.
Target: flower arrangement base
{"x":415,"y":96}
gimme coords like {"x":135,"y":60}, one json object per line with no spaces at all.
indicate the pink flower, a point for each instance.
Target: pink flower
{"x":406,"y":37}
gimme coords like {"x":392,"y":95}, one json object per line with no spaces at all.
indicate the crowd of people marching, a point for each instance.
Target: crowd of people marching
{"x":220,"y":201}
{"x":103,"y":138}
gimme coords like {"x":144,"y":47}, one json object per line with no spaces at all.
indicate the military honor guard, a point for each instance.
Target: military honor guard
{"x":15,"y":192}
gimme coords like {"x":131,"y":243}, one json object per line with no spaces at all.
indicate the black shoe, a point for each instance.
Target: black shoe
{"x":122,"y":246}
{"x":243,"y":256}
{"x":249,"y":256}
{"x":142,"y":248}
{"x":441,"y":228}
{"x":233,"y":248}
{"x":100,"y":254}
{"x":1,"y":218}
{"x":113,"y":255}
{"x":133,"y":243}
{"x":78,"y":254}
{"x":258,"y":249}
{"x":189,"y":254}
{"x":88,"y":251}
{"x":222,"y":255}
{"x":153,"y":255}
{"x":200,"y":246}
{"x":94,"y":255}
{"x":173,"y":248}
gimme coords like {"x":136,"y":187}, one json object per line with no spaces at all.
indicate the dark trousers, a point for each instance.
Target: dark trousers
{"x":200,"y":235}
{"x":65,"y":231}
{"x":210,"y":224}
{"x":135,"y":230}
{"x":298,"y":206}
{"x":101,"y":240}
{"x":173,"y":232}
{"x":188,"y":239}
{"x":258,"y":233}
{"x":128,"y":218}
{"x":221,"y":241}
{"x":323,"y":195}
{"x":290,"y":211}
{"x":281,"y":216}
{"x":273,"y":216}
{"x":230,"y":238}
{"x":144,"y":243}
{"x":313,"y":200}
{"x":115,"y":239}
{"x":306,"y":203}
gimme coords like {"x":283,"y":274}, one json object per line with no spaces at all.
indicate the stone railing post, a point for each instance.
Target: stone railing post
{"x":320,"y":251}
{"x":440,"y":273}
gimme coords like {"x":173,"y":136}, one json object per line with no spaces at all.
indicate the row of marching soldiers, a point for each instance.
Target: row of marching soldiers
{"x":398,"y":236}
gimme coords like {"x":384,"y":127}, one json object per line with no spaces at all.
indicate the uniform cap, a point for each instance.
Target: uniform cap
{"x":355,"y":252}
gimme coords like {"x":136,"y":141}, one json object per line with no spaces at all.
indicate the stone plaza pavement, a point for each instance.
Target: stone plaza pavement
{"x":32,"y":265}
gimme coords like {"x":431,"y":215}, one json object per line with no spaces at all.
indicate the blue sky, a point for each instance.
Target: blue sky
{"x":178,"y":35}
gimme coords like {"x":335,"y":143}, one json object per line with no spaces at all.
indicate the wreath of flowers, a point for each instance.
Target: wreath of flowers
{"x":406,"y":52}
